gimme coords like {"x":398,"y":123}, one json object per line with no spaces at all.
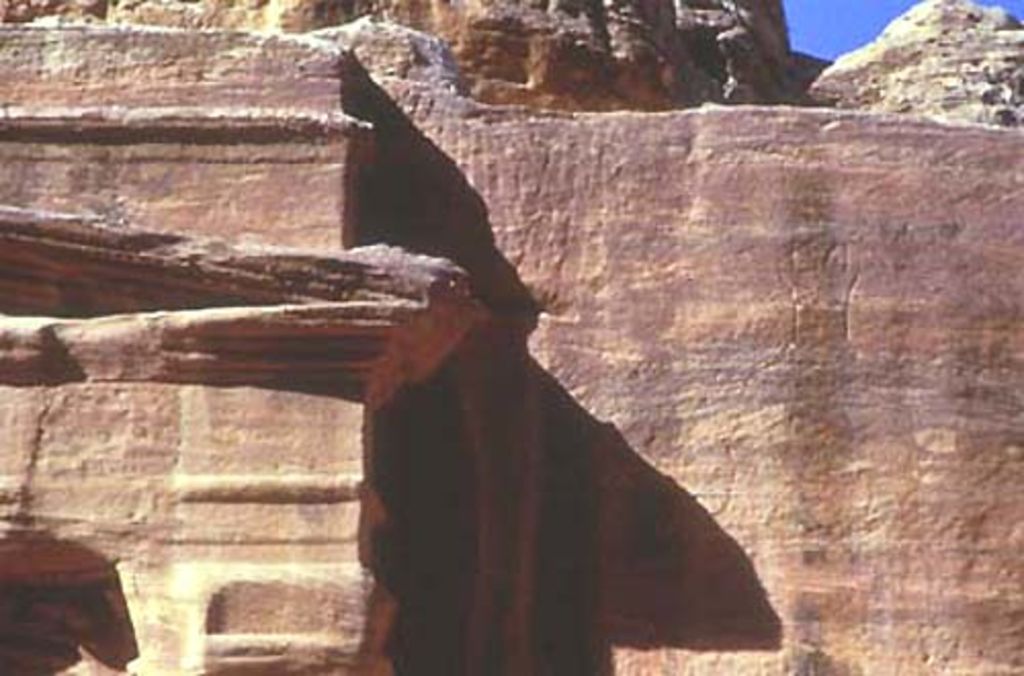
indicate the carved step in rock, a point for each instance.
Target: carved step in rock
{"x":240,"y":518}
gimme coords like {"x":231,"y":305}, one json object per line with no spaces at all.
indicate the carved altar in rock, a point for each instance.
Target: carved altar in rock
{"x":209,"y":441}
{"x":184,"y":477}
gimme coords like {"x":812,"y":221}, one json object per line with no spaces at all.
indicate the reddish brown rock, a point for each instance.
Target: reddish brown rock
{"x":132,"y":165}
{"x":65,"y":266}
{"x":184,"y":487}
{"x":24,"y":11}
{"x":391,"y":50}
{"x":627,"y":55}
{"x":181,"y":131}
{"x":121,"y":66}
{"x":813,"y":321}
{"x":267,"y":413}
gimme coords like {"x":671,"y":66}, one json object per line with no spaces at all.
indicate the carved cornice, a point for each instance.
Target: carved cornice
{"x":125,"y":305}
{"x":191,"y":125}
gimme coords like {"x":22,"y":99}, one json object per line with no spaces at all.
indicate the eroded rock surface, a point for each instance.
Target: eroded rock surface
{"x":124,"y":66}
{"x":620,"y":55}
{"x":25,"y":11}
{"x":240,"y":422}
{"x":948,"y":59}
{"x":570,"y":55}
{"x":392,"y":50}
{"x":237,"y":315}
{"x":182,"y":485}
{"x":831,"y":363}
{"x":183,"y":131}
{"x":222,"y":561}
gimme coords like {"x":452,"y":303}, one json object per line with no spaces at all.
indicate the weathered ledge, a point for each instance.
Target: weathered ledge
{"x":126,"y":305}
{"x":167,"y":124}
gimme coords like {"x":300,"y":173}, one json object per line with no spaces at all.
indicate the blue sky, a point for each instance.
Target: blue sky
{"x":828,"y":28}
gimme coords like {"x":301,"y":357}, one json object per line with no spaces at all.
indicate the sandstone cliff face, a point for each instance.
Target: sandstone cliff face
{"x":646,"y":54}
{"x":618,"y":55}
{"x":813,"y":321}
{"x":392,"y":50}
{"x":192,"y":132}
{"x":246,"y":541}
{"x":810,"y":319}
{"x":948,"y":59}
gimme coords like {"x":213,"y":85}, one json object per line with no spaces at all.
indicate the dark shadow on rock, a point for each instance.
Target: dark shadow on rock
{"x":630,"y":557}
{"x":424,"y":553}
{"x":804,"y":69}
{"x":412,"y":195}
{"x":622,"y":555}
{"x":57,"y":597}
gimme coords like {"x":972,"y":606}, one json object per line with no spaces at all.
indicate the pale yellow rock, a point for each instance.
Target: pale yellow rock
{"x":948,"y":59}
{"x":937,"y":440}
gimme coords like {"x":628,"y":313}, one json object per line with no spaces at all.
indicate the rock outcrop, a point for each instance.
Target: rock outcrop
{"x":812,"y":320}
{"x":947,"y":59}
{"x":128,"y":67}
{"x":619,"y":55}
{"x":272,"y":464}
{"x":392,"y":50}
{"x":24,"y":11}
{"x":624,"y":55}
{"x":191,"y":132}
{"x":237,"y":316}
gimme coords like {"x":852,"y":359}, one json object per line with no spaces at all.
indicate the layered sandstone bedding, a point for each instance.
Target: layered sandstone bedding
{"x":730,"y":390}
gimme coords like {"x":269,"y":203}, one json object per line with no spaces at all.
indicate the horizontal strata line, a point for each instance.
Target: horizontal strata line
{"x":312,"y":551}
{"x":313,"y":157}
{"x":246,"y":544}
{"x":288,"y":489}
{"x":241,"y":646}
{"x":192,"y":125}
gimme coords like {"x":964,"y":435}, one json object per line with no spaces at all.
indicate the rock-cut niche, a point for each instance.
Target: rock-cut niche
{"x":60,"y":602}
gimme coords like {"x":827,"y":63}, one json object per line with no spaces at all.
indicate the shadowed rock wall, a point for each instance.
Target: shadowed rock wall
{"x":810,"y":319}
{"x":813,"y":321}
{"x":258,"y":538}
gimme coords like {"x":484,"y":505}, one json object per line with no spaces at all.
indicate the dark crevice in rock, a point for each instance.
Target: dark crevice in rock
{"x":621,"y":556}
{"x":58,"y":597}
{"x":438,"y":213}
{"x":421,"y":468}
